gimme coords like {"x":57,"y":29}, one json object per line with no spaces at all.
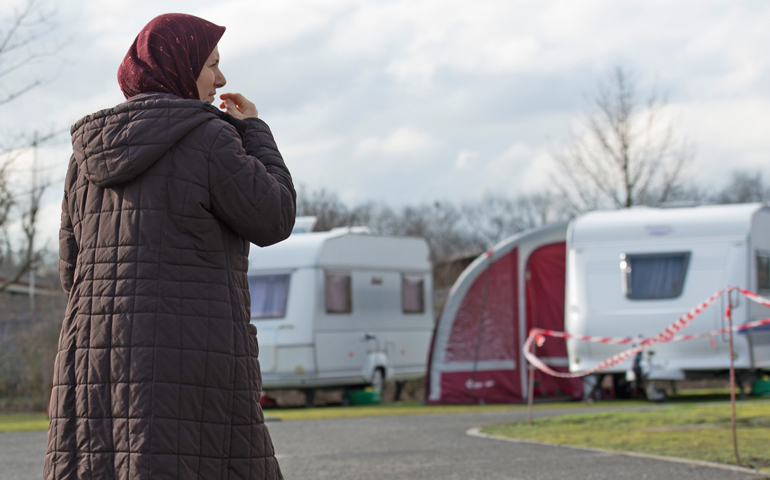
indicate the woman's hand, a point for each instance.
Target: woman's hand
{"x":238,"y":106}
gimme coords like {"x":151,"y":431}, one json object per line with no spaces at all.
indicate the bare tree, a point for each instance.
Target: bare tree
{"x":22,"y":43}
{"x":37,"y":349}
{"x":6,"y":198}
{"x":629,"y":153}
{"x":496,"y":217}
{"x":28,"y":253}
{"x":440,"y":223}
{"x":744,"y":187}
{"x":326,"y":206}
{"x":451,"y":230}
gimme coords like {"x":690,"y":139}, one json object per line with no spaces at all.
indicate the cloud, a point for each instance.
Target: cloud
{"x":255,"y":25}
{"x":309,"y":149}
{"x":441,"y":97}
{"x":250,"y":25}
{"x":728,"y":134}
{"x":466,"y":159}
{"x":521,"y":168}
{"x":497,"y":36}
{"x":404,"y":142}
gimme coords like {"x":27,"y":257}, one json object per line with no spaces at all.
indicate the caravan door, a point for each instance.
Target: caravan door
{"x":340,"y":344}
{"x":545,"y":284}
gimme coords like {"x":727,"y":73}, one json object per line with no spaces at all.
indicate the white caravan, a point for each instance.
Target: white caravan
{"x":631,"y":273}
{"x":341,"y":308}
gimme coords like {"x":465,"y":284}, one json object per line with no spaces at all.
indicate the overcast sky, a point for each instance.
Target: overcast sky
{"x":415,"y":100}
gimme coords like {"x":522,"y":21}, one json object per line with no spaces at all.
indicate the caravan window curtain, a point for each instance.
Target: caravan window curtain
{"x":268,"y":295}
{"x":412,"y":294}
{"x":763,"y":273}
{"x":338,"y":295}
{"x":655,"y":276}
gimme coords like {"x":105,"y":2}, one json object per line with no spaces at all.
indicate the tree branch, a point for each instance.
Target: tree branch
{"x":620,"y":158}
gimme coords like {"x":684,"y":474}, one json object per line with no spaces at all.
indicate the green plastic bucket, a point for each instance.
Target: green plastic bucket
{"x":761,"y":388}
{"x":362,"y":397}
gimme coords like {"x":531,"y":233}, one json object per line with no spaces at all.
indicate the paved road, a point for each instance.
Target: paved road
{"x":415,"y":448}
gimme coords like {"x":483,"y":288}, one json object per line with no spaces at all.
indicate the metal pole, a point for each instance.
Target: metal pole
{"x":531,"y":388}
{"x":729,"y":316}
{"x":531,"y":383}
{"x":31,"y":244}
{"x":481,"y":327}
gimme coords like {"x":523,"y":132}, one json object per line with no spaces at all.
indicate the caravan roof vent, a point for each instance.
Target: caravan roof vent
{"x":359,"y":230}
{"x":680,"y":204}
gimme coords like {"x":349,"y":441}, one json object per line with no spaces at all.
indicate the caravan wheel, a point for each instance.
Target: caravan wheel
{"x":378,"y":379}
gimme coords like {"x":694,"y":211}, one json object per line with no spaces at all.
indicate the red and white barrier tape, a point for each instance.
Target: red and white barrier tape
{"x":666,"y":336}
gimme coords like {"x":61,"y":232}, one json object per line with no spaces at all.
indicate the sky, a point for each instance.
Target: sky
{"x":411,"y":101}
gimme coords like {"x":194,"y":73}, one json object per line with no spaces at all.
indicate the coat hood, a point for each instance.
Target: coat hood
{"x":116,"y":145}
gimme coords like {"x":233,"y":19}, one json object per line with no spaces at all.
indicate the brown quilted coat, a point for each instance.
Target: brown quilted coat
{"x":156,"y":375}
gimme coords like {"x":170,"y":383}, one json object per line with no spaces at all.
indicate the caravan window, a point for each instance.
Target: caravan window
{"x":654,"y":276}
{"x":268,"y":295}
{"x":412,"y":293}
{"x":763,"y":273}
{"x":338,"y":297}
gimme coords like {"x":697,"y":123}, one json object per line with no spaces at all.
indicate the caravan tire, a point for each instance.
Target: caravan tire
{"x":622,"y":388}
{"x":309,"y":397}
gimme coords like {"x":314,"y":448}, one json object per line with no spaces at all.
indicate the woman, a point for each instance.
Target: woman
{"x":157,"y":374}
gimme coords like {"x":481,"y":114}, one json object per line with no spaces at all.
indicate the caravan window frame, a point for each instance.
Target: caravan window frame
{"x":348,"y":309}
{"x":406,"y":277}
{"x":626,"y":260}
{"x":285,"y":277}
{"x":765,"y":254}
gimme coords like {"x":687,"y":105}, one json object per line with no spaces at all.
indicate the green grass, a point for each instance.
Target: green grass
{"x":688,"y":430}
{"x":391,"y":409}
{"x":17,"y":422}
{"x":35,"y":421}
{"x":23,"y":422}
{"x":415,"y":408}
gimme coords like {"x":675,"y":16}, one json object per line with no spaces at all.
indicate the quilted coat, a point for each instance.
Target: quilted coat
{"x":156,"y":375}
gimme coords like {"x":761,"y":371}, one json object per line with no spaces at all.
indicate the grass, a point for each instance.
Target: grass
{"x":698,"y":431}
{"x":38,"y":421}
{"x":16,"y":422}
{"x":415,"y":408}
{"x":23,"y":422}
{"x":405,"y":408}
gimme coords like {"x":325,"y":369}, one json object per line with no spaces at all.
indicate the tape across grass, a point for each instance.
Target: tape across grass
{"x":700,"y":432}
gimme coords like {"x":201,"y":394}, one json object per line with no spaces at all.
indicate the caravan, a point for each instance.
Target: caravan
{"x":631,"y":273}
{"x":341,"y":308}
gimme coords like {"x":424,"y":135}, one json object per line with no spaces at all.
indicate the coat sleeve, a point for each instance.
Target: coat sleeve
{"x":251,"y":188}
{"x":68,"y":248}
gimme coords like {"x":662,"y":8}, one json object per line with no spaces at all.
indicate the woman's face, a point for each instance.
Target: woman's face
{"x":210,"y":78}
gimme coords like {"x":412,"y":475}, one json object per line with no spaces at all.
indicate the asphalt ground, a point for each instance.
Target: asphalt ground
{"x":429,"y":447}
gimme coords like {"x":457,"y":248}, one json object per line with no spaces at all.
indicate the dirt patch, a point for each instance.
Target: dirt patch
{"x":757,"y":463}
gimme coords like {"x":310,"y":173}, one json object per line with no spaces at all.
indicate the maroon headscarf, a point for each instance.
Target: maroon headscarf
{"x":168,"y":55}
